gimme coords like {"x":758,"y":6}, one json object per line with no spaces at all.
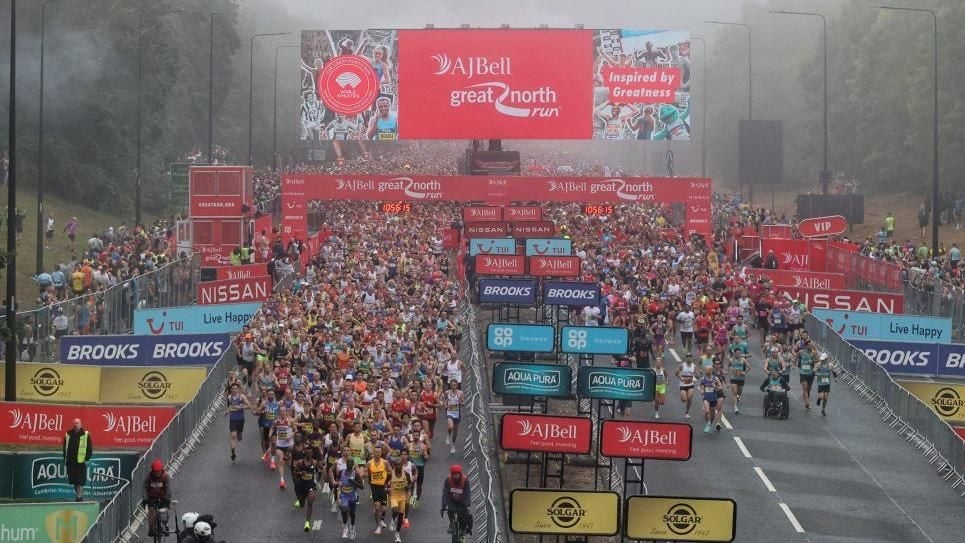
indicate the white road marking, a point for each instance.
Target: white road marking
{"x":792,"y":518}
{"x":674,"y":354}
{"x":740,"y":445}
{"x":727,"y":425}
{"x":767,"y":482}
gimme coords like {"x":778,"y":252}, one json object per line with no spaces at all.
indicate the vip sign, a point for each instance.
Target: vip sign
{"x":544,"y":433}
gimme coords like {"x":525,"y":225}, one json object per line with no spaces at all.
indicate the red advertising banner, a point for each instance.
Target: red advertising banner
{"x":960,"y":431}
{"x":455,"y":84}
{"x":44,"y":425}
{"x":780,"y":231}
{"x":298,"y":189}
{"x":214,"y":255}
{"x":797,"y":254}
{"x":264,"y":224}
{"x":486,"y":229}
{"x":500,"y":265}
{"x":861,"y":271}
{"x":646,"y":440}
{"x":482,"y":214}
{"x":800,"y":279}
{"x":844,"y":246}
{"x":823,"y":226}
{"x":554,"y":266}
{"x":450,"y":238}
{"x":847,"y":300}
{"x":220,"y":191}
{"x":247,"y":271}
{"x":252,"y":289}
{"x":535,"y":229}
{"x":544,"y":433}
{"x":522,"y":213}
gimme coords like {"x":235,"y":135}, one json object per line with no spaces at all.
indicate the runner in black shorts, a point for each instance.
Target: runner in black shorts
{"x":304,"y":473}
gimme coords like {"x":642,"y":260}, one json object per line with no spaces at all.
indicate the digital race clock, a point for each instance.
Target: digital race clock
{"x":396,"y":207}
{"x":598,"y":209}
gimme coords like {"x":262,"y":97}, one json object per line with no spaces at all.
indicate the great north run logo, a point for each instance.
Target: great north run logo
{"x":532,"y":380}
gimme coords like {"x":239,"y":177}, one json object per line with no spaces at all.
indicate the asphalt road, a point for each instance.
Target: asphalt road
{"x":841,"y":478}
{"x":248,"y":506}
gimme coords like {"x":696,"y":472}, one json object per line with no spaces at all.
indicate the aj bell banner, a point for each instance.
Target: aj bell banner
{"x":604,"y":84}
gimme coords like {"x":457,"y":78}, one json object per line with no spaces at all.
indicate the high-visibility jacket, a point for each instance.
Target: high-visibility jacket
{"x":83,"y":446}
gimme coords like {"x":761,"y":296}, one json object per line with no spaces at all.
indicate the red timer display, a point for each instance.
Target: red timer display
{"x":396,"y":207}
{"x":594,"y":209}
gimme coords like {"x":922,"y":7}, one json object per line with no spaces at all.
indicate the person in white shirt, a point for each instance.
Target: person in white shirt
{"x":591,"y":316}
{"x":686,"y":319}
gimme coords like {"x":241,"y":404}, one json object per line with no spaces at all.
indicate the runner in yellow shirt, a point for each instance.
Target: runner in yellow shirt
{"x":378,"y":471}
{"x":400,"y":490}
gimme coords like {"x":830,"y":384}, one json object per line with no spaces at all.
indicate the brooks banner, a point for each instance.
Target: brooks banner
{"x":181,"y":350}
{"x":113,"y":427}
{"x":571,"y":293}
{"x":943,"y":360}
{"x":507,"y":291}
{"x":386,"y":84}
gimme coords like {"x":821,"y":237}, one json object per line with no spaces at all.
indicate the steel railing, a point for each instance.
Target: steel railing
{"x":108,"y":311}
{"x":938,"y":298}
{"x":898,"y":408}
{"x":121,"y":516}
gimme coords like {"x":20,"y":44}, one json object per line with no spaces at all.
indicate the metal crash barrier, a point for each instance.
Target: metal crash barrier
{"x":899,"y":409}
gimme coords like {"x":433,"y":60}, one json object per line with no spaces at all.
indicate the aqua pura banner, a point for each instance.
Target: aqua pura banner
{"x":550,"y":380}
{"x":389,"y":84}
{"x":887,"y":327}
{"x":43,"y":475}
{"x":196,"y":319}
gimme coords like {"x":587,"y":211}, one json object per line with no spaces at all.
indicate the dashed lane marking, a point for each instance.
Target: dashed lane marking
{"x":742,"y":447}
{"x":791,"y":517}
{"x":766,"y":481}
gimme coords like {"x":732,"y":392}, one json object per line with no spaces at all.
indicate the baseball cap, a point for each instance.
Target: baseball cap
{"x":455,"y":469}
{"x":157,"y":465}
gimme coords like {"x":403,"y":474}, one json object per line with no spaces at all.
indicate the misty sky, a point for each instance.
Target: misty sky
{"x":675,"y":14}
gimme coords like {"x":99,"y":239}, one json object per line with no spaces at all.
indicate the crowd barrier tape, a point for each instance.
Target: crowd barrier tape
{"x":946,"y":399}
{"x":111,"y":426}
{"x":56,"y":383}
{"x":43,"y":475}
{"x":902,"y":411}
{"x":861,"y":325}
{"x":61,"y":522}
{"x":201,"y":319}
{"x":180,"y":350}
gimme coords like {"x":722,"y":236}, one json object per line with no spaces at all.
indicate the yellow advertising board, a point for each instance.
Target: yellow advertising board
{"x":564,"y":512}
{"x":947,"y":399}
{"x":671,"y":518}
{"x":57,"y":383}
{"x":150,"y":385}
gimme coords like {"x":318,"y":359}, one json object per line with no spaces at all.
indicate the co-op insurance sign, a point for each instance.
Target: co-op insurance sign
{"x":181,"y":350}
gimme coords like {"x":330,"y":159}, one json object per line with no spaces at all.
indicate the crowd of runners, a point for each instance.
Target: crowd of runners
{"x":351,"y":372}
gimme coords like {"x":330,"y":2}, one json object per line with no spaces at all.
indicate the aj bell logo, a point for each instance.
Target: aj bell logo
{"x":471,"y":66}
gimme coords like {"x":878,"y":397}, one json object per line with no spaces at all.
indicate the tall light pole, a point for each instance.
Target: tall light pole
{"x":40,"y":146}
{"x":10,"y":371}
{"x":825,"y":176}
{"x":934,"y":165}
{"x":274,"y":106}
{"x":251,"y":83}
{"x":750,"y":92}
{"x":703,"y":104}
{"x":140,"y":69}
{"x":211,"y":89}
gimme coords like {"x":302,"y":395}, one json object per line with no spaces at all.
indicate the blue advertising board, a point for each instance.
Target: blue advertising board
{"x":571,"y":293}
{"x":901,"y":356}
{"x":492,"y":246}
{"x":183,"y":350}
{"x":507,"y":291}
{"x":529,"y":338}
{"x":548,"y":247}
{"x":594,"y":340}
{"x":951,"y":360}
{"x":551,"y":380}
{"x":602,"y":383}
{"x":196,"y":319}
{"x":881,"y":326}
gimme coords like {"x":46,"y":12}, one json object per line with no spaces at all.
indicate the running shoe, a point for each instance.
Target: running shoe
{"x":391,"y":525}
{"x":281,"y":485}
{"x":378,"y":530}
{"x":717,"y":428}
{"x":308,"y":526}
{"x":298,"y":503}
{"x":656,"y":414}
{"x":686,"y":415}
{"x":405,"y":523}
{"x":819,"y":402}
{"x":398,"y":538}
{"x":233,"y":456}
{"x":272,"y":465}
{"x":382,"y":523}
{"x":448,"y":440}
{"x":353,"y":533}
{"x":264,"y":457}
{"x":345,"y":532}
{"x":737,"y":410}
{"x":823,"y":413}
{"x":707,"y":428}
{"x":452,"y":449}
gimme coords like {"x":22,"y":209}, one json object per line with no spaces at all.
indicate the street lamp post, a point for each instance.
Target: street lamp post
{"x":703,"y":105}
{"x":10,"y":371}
{"x":140,"y":68}
{"x":251,"y":84}
{"x":274,"y":94}
{"x":40,"y":146}
{"x":934,"y":165}
{"x":825,"y":176}
{"x":750,"y":92}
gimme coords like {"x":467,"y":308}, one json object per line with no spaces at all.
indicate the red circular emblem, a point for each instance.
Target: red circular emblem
{"x":348,"y":84}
